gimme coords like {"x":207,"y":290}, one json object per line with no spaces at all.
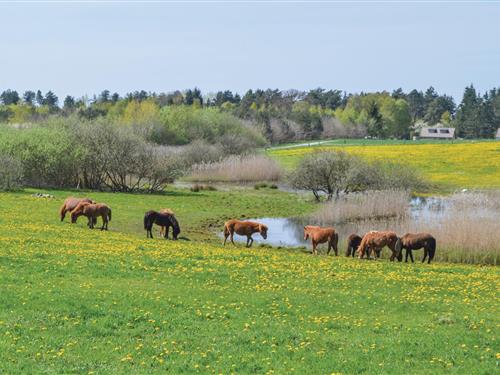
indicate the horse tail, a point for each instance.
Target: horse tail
{"x":432,"y":248}
{"x":109,"y":214}
{"x":398,"y":246}
{"x":226,"y":230}
{"x":146,"y":221}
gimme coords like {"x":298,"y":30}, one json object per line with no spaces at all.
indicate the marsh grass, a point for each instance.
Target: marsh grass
{"x":372,"y":204}
{"x":250,"y":168}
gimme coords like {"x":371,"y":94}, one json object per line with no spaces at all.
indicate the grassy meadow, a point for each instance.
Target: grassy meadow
{"x":76,"y":300}
{"x":474,"y":164}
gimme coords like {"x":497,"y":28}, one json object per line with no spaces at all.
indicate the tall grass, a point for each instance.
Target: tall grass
{"x":372,"y":204}
{"x":250,"y":168}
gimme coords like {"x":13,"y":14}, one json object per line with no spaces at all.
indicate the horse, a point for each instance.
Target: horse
{"x":321,"y":235}
{"x":162,"y":219}
{"x":167,"y":211}
{"x":92,"y":211}
{"x":353,"y":242}
{"x":243,"y":228}
{"x":70,"y":204}
{"x":374,"y":241}
{"x":416,"y":241}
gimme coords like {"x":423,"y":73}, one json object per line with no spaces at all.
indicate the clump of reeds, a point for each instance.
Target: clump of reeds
{"x":250,"y":168}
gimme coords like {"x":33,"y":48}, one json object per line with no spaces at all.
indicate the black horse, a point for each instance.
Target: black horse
{"x":164,"y":220}
{"x":353,"y":243}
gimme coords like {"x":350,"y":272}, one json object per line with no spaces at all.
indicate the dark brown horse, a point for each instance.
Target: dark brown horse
{"x":353,"y":242}
{"x":70,"y":204}
{"x":167,"y":211}
{"x":321,"y":235}
{"x":162,"y":219}
{"x":416,"y":241}
{"x":374,"y":241}
{"x":92,"y":211}
{"x":243,"y":228}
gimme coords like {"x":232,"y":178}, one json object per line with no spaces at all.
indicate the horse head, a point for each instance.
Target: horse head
{"x":74,"y":216}
{"x":263,"y":231}
{"x":175,"y":226}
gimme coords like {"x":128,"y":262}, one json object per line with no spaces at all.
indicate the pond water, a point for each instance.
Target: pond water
{"x":422,"y":213}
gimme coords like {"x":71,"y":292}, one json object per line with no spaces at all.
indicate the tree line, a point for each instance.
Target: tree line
{"x":279,"y":115}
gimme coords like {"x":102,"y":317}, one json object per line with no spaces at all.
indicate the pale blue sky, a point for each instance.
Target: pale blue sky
{"x":84,"y":48}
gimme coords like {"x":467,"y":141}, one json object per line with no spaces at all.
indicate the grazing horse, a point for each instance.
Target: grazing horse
{"x":321,"y":235}
{"x":416,"y":241}
{"x":92,"y":211}
{"x":353,"y":242}
{"x":70,"y":204}
{"x":374,"y":242}
{"x":243,"y":228}
{"x":162,"y":219}
{"x":167,"y":211}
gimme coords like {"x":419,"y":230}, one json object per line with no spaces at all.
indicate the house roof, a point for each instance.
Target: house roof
{"x":437,"y":133}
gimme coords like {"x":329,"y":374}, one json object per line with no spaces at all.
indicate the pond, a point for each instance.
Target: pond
{"x":423,"y":213}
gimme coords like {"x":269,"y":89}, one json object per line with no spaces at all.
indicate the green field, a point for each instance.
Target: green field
{"x":449,"y":165}
{"x":76,"y":300}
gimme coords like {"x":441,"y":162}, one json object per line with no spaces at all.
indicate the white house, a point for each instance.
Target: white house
{"x":437,"y":133}
{"x":497,"y":136}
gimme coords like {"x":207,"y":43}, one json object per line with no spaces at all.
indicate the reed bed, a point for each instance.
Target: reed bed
{"x":250,"y":168}
{"x":372,"y":204}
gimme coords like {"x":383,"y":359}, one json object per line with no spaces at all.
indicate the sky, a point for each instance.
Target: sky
{"x":82,"y":48}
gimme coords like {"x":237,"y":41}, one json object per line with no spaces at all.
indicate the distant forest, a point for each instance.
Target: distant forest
{"x":266,"y":116}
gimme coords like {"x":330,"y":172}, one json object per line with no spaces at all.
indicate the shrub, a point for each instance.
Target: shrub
{"x":11,"y":172}
{"x":196,"y":188}
{"x":184,"y":124}
{"x":336,"y":172}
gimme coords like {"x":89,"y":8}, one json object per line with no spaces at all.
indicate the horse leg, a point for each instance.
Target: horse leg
{"x":104,"y":221}
{"x":314,"y":247}
{"x":232,"y":238}
{"x":329,"y":248}
{"x":411,"y":256}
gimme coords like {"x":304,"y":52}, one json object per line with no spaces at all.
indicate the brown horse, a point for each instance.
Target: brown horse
{"x":321,"y":235}
{"x":92,"y":211}
{"x":243,"y":228}
{"x":353,"y":242}
{"x":70,"y":204}
{"x":416,"y":241}
{"x":374,"y":241}
{"x":166,"y":211}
